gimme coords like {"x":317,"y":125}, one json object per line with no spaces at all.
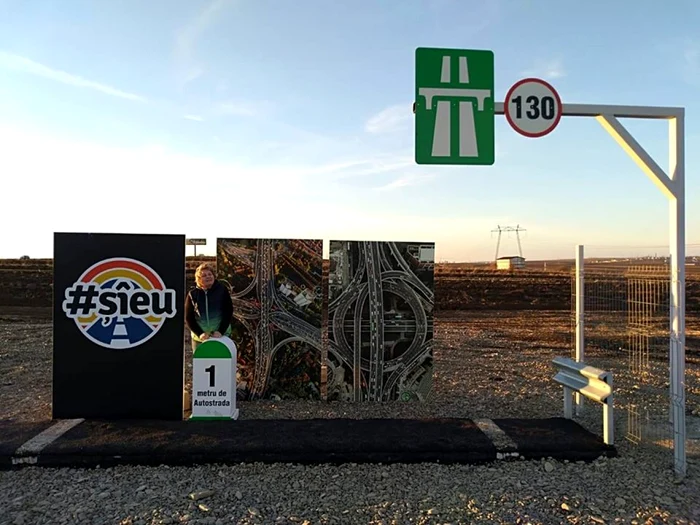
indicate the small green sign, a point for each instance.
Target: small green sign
{"x":455,"y":119}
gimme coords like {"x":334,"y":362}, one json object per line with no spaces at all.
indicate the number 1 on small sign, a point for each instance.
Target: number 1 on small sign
{"x":210,"y":370}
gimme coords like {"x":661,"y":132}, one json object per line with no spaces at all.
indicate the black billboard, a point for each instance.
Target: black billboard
{"x":118,"y":325}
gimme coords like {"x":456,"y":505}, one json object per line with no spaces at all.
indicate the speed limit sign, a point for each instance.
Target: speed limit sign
{"x":533,"y":107}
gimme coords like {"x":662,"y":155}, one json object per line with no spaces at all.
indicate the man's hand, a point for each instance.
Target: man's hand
{"x":216,"y":334}
{"x":204,"y":336}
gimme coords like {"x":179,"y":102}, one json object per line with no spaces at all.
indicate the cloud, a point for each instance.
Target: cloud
{"x":691,"y":62}
{"x":33,"y":154}
{"x":242,"y":109}
{"x":251,"y":197}
{"x":186,"y":40}
{"x":406,"y":180}
{"x":372,"y":165}
{"x":548,"y":69}
{"x":390,"y":120}
{"x":26,"y":65}
{"x":229,"y":109}
{"x":269,"y":201}
{"x":338,"y":170}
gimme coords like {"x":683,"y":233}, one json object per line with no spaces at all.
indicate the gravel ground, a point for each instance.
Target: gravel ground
{"x":479,"y":373}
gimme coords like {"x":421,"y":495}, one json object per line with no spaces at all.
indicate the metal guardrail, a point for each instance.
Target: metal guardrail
{"x":593,"y":383}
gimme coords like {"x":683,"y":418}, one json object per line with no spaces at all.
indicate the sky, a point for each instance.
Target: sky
{"x":292,"y":119}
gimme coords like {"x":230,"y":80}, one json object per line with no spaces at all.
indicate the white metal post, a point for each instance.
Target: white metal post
{"x":676,"y":168}
{"x":579,"y":319}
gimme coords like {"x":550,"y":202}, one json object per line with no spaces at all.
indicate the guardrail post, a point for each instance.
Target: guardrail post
{"x":580,"y":341}
{"x":568,"y":405}
{"x":608,"y":421}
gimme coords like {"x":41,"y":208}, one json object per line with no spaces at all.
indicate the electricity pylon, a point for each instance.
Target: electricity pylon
{"x":502,"y":229}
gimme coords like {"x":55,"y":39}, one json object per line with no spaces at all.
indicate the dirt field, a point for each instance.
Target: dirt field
{"x":457,"y":286}
{"x":495,"y":336}
{"x":488,"y":364}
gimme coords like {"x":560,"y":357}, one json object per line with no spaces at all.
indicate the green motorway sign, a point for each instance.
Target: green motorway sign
{"x":455,"y":120}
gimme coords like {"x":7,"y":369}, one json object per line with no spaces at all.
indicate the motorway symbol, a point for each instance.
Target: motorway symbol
{"x":533,"y":107}
{"x":454,"y":106}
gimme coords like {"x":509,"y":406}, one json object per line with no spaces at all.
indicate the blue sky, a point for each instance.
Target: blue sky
{"x":280,"y":118}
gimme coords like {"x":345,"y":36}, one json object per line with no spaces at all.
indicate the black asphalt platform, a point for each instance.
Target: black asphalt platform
{"x":13,"y":435}
{"x":558,"y":438}
{"x":309,"y":441}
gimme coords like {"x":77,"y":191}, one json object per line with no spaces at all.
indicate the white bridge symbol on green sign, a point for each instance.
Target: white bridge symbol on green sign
{"x":454,"y":107}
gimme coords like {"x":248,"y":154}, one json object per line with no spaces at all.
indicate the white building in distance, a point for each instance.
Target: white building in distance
{"x":512,"y":262}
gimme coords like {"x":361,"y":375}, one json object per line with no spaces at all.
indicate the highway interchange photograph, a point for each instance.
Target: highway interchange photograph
{"x":380,"y":320}
{"x":277,"y":303}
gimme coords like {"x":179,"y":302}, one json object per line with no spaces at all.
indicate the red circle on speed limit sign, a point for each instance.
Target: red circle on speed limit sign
{"x":533,"y":107}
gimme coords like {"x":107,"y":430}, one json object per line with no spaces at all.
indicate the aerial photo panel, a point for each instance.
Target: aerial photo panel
{"x":380,"y":320}
{"x":276,"y":287}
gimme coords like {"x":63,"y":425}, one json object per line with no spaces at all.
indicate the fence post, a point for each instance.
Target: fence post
{"x":580,"y":342}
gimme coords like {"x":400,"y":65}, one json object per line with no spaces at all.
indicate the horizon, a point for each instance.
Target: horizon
{"x":190,"y":255}
{"x":243,"y":119}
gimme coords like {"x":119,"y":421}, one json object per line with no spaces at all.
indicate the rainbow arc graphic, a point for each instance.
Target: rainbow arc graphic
{"x":108,"y":272}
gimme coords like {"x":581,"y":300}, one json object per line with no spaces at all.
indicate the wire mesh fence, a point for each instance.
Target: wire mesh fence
{"x":626,"y":330}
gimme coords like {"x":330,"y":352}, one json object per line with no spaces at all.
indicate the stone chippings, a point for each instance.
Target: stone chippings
{"x":637,"y":487}
{"x":619,"y":490}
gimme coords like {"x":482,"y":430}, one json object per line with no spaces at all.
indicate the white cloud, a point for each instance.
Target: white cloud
{"x":151,"y":178}
{"x":242,"y":109}
{"x":61,"y":172}
{"x":691,"y":62}
{"x":196,"y":118}
{"x":156,"y":183}
{"x":406,"y":180}
{"x":547,"y":69}
{"x":186,"y":40}
{"x":373,"y":165}
{"x":26,"y":65}
{"x":390,"y":120}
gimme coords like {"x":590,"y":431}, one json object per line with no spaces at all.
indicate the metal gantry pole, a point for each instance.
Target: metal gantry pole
{"x":672,"y":185}
{"x":677,"y":339}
